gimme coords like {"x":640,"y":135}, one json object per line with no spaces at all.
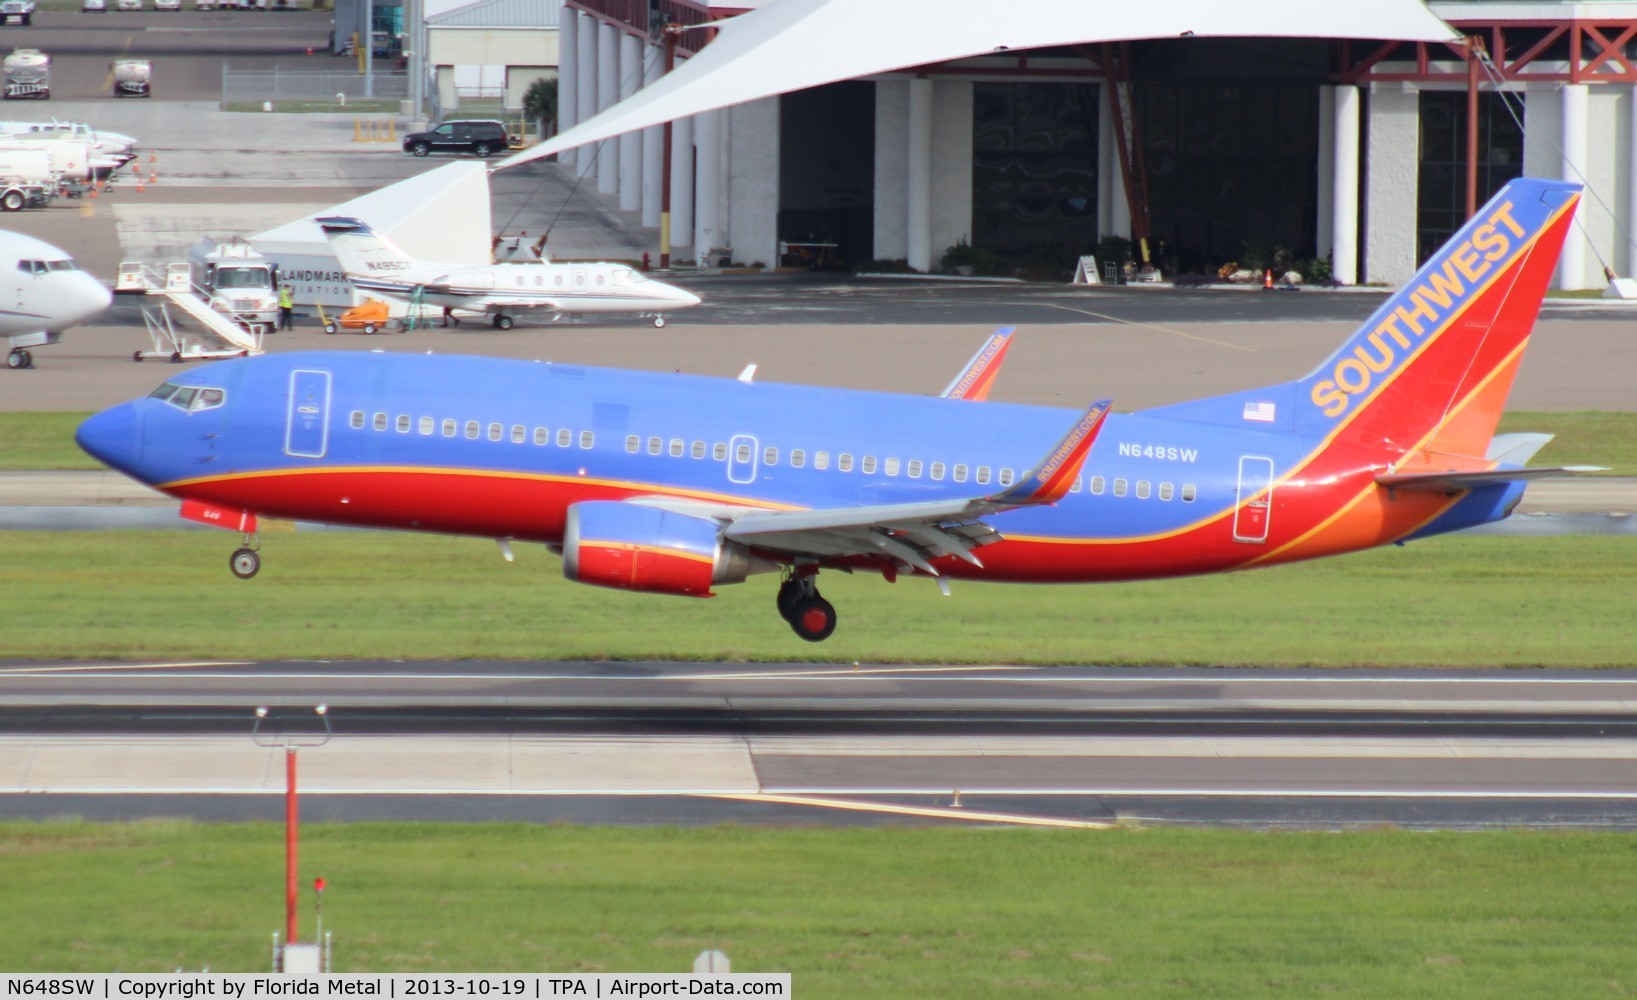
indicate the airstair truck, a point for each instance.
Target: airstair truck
{"x":237,"y":281}
{"x":27,"y":74}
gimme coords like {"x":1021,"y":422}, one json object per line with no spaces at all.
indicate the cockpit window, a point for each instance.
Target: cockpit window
{"x":61,"y":265}
{"x":31,"y":266}
{"x":189,"y":398}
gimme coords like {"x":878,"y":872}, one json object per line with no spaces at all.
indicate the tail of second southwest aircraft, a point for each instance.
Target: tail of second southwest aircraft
{"x":1429,"y":372}
{"x":360,"y":250}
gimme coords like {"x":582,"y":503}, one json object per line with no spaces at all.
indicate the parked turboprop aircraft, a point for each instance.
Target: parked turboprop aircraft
{"x":676,"y":484}
{"x":374,"y":264}
{"x":42,"y":293}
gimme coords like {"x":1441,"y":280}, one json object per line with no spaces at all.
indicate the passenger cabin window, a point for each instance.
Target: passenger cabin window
{"x":677,"y":447}
{"x":655,"y":446}
{"x":519,"y":434}
{"x":937,"y":471}
{"x":844,"y":462}
{"x":380,"y":421}
{"x":1142,"y":489}
{"x":471,"y":430}
{"x":890,"y":466}
{"x":770,"y":456}
{"x":698,"y":449}
{"x":1165,"y":491}
{"x":587,"y":439}
{"x":1188,"y":493}
{"x":821,"y":460}
{"x":403,"y":423}
{"x":1097,"y":484}
{"x":798,"y":458}
{"x":983,"y":474}
{"x":915,"y":468}
{"x":1119,"y":487}
{"x":427,"y":425}
{"x":742,"y":453}
{"x":633,"y":444}
{"x":719,"y":451}
{"x":496,"y":432}
{"x":869,"y":465}
{"x":1074,"y":487}
{"x":565,"y":437}
{"x":541,"y":436}
{"x":356,"y":420}
{"x":1006,"y":477}
{"x":960,"y":473}
{"x":448,"y":428}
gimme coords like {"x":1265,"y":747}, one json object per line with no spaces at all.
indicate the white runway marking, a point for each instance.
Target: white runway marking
{"x":114,"y":667}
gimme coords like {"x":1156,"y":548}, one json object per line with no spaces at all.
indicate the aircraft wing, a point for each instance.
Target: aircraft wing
{"x":1456,"y":482}
{"x":916,"y":533}
{"x":974,"y":380}
{"x":486,"y":302}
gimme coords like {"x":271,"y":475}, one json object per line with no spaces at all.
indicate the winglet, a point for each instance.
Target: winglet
{"x":974,"y":380}
{"x":1052,"y":479}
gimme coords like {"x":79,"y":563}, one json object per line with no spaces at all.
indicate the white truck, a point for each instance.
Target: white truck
{"x":26,"y":179}
{"x":22,"y":10}
{"x":132,"y":77}
{"x":71,"y":159}
{"x":27,"y":74}
{"x":237,"y":281}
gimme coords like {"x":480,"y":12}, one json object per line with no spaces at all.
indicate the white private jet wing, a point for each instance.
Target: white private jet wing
{"x":913,"y":534}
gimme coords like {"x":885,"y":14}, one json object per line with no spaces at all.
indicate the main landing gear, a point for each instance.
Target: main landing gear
{"x":246,"y":561}
{"x":502,"y":321}
{"x":19,"y":358}
{"x":810,"y":616}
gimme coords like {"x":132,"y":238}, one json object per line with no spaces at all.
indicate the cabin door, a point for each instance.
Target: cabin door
{"x":1255,"y":501}
{"x":307,"y":431}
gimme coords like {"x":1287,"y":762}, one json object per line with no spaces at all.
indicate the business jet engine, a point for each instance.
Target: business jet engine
{"x":629,"y":546}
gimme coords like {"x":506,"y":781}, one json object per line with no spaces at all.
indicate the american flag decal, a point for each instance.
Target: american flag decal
{"x":1260,"y":412}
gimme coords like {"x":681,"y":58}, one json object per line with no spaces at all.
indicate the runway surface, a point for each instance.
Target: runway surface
{"x":802,"y":743}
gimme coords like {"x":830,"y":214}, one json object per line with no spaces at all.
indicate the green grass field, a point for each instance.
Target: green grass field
{"x":46,"y":440}
{"x":1454,"y":601}
{"x":874,"y":913}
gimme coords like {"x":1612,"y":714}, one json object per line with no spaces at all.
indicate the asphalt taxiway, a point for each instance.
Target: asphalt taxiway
{"x":813,"y":743}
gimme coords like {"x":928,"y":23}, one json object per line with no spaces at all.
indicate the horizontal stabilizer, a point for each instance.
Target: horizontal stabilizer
{"x":1456,"y":482}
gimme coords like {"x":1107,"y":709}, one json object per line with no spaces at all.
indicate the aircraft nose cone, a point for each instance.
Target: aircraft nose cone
{"x":113,"y":437}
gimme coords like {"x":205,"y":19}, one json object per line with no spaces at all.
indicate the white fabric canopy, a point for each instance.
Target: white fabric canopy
{"x":791,"y":45}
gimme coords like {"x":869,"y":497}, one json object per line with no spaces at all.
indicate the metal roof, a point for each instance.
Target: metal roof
{"x":500,"y":14}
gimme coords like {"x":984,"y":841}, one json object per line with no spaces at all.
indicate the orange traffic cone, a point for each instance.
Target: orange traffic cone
{"x":152,"y":177}
{"x":1267,"y":281}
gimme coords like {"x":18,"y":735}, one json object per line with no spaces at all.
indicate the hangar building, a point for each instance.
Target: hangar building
{"x":1235,"y":148}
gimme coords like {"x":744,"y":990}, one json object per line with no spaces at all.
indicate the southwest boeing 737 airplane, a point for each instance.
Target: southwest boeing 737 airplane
{"x":677,"y":484}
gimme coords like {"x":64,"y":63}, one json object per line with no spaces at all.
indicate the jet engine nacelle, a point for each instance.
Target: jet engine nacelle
{"x":631,"y":547}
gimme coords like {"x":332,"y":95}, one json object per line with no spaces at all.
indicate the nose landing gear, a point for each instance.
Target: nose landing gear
{"x":810,"y":616}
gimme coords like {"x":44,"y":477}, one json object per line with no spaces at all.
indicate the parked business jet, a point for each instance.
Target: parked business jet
{"x":374,"y":264}
{"x":677,"y":484}
{"x":42,"y":293}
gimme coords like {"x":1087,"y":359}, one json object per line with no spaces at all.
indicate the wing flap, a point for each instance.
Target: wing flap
{"x":914,"y":534}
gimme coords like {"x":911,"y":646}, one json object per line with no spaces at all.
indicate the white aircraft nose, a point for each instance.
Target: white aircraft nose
{"x":87,"y":297}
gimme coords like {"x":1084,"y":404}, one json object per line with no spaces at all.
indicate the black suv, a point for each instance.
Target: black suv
{"x":479,"y":137}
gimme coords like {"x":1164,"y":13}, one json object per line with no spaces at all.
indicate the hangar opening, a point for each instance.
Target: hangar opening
{"x":826,"y":174}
